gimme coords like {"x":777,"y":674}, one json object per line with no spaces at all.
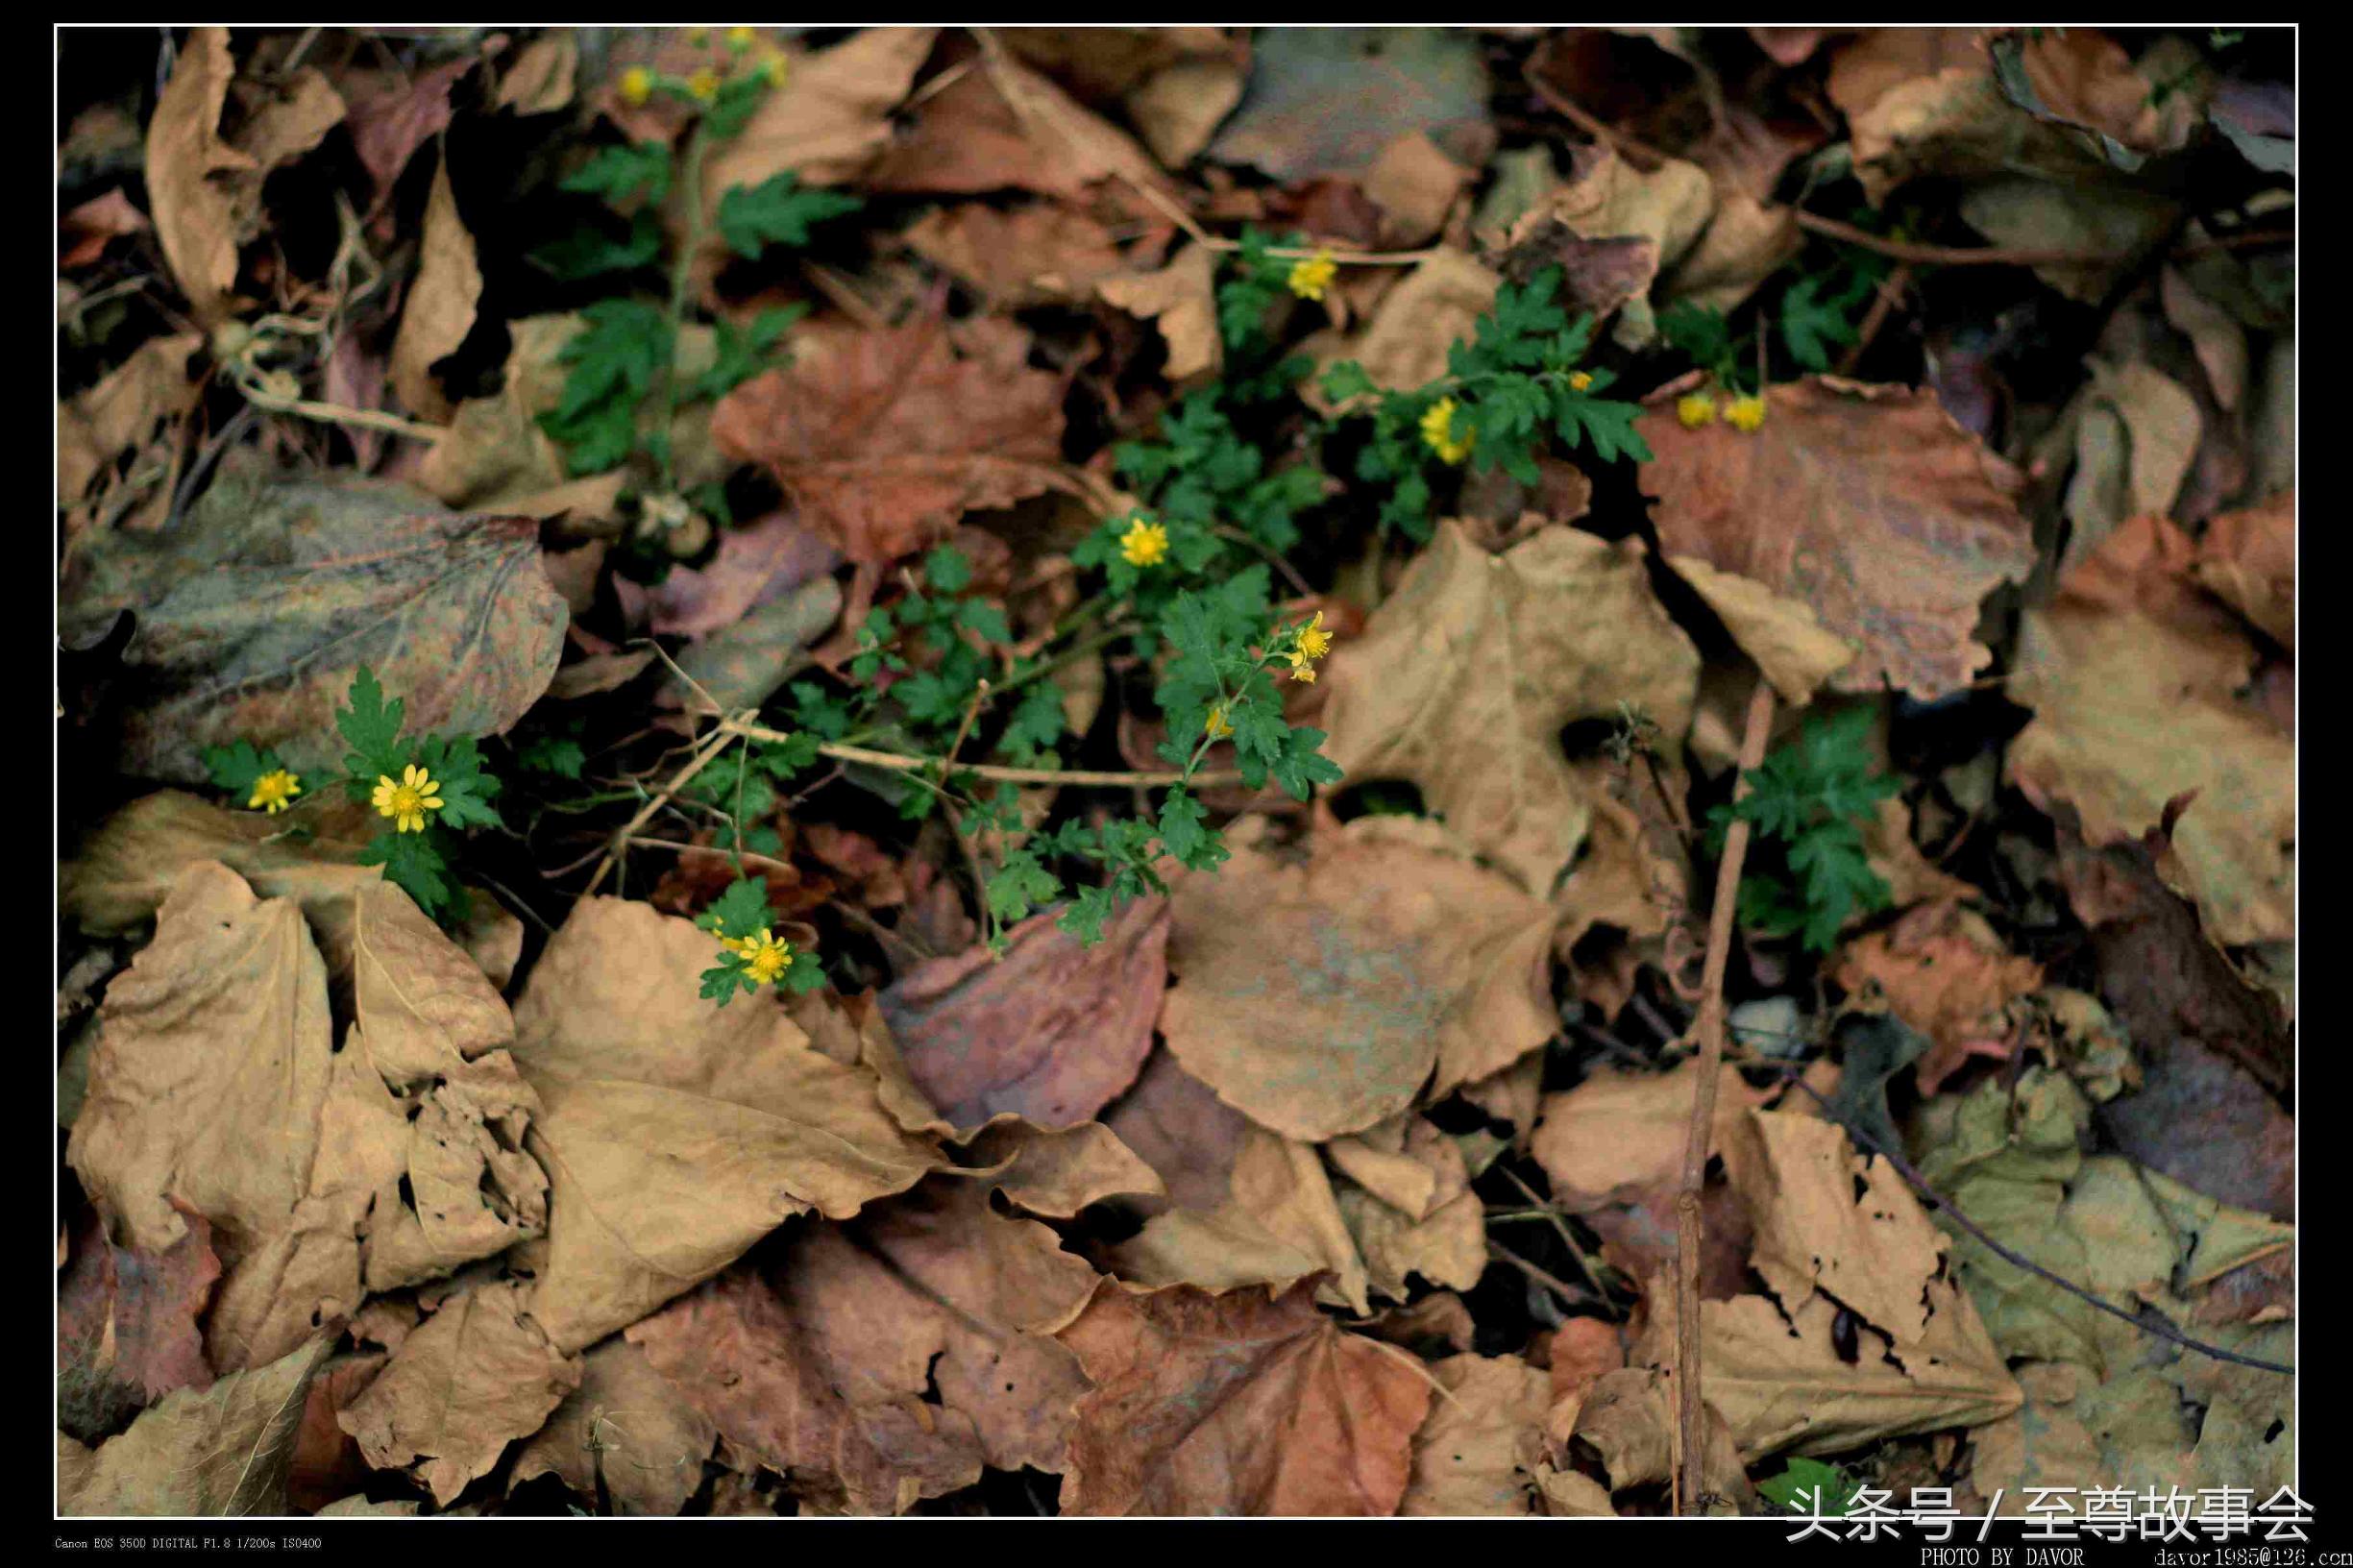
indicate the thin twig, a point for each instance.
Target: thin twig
{"x":1690,"y":1413}
{"x":1633,"y":148}
{"x":899,"y":762}
{"x":1561,"y":1287}
{"x":1560,"y":1226}
{"x":1950,"y":256}
{"x":705,"y":755}
{"x":1882,"y":305}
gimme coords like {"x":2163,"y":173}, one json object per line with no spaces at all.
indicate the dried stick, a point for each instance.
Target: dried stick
{"x":1690,"y":1413}
{"x":900,"y":762}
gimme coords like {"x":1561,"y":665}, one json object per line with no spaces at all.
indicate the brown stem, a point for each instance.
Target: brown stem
{"x":1690,"y":1411}
{"x":1949,"y":255}
{"x":899,"y":762}
{"x":1882,"y":305}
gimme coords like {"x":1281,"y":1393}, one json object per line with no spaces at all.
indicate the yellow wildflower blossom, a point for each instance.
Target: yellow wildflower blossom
{"x":703,"y":84}
{"x":1144,"y":543}
{"x":1580,"y":380}
{"x":408,"y":801}
{"x":636,"y":85}
{"x":772,"y":66}
{"x":274,"y":791}
{"x":764,"y":958}
{"x":1745,"y":414}
{"x":1216,"y":726}
{"x":739,"y":39}
{"x":1312,"y":275}
{"x":1314,"y":643}
{"x":1696,"y":409}
{"x":1438,"y":433}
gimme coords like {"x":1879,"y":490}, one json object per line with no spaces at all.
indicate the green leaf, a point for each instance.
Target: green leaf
{"x":372,"y":726}
{"x":738,"y":912}
{"x":465,"y":790}
{"x":560,"y":758}
{"x":1809,"y":323}
{"x":414,"y":863}
{"x":1185,"y":834}
{"x":236,"y":767}
{"x":776,"y":211}
{"x":618,"y":173}
{"x":592,"y":253}
{"x":743,"y":351}
{"x":1086,"y":914}
{"x":1019,"y":885}
{"x":1811,"y":1487}
{"x":612,"y":362}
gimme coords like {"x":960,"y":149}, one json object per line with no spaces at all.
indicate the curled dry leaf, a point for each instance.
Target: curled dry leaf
{"x":676,"y":1133}
{"x":120,"y":414}
{"x":1051,"y":1031}
{"x":627,"y":1427}
{"x":1057,"y":1173}
{"x":1942,"y":971}
{"x":1629,"y":1417}
{"x":1319,"y":998}
{"x":2248,"y":558}
{"x":893,"y":437}
{"x":1037,"y":255}
{"x":1786,"y":639}
{"x":2135,"y":706}
{"x":1404,"y":345}
{"x":84,"y":234}
{"x":441,"y":302}
{"x":817,"y":1364}
{"x":216,"y":1452}
{"x":1247,"y":1402}
{"x":1180,"y":299}
{"x":473,"y":1377}
{"x":1867,"y":502}
{"x":255,"y":611}
{"x":1279,"y":1222}
{"x":1476,"y":1452}
{"x":1466,"y":675}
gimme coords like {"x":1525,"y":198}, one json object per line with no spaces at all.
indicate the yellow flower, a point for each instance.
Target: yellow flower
{"x":1580,"y":380}
{"x":1438,"y":433}
{"x":1144,"y":543}
{"x":274,"y":791}
{"x":408,"y":801}
{"x":636,"y":85}
{"x":1216,"y":726}
{"x":1746,"y":413}
{"x":1314,"y":643}
{"x":703,"y":84}
{"x":739,"y":39}
{"x":764,"y":958}
{"x":772,"y":66}
{"x":1696,"y":409}
{"x":1312,"y":275}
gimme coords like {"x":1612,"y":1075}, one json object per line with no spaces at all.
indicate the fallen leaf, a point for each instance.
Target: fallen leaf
{"x":1465,"y":677}
{"x":1049,"y":1030}
{"x":1477,"y":1450}
{"x":441,"y":303}
{"x":1925,"y":102}
{"x":1320,"y":998}
{"x":1943,"y":972}
{"x":1404,"y":346}
{"x":1246,"y":1402}
{"x":122,"y":414}
{"x":2248,"y":560}
{"x":625,"y":1428}
{"x":1278,"y":1222}
{"x":1056,"y":1173}
{"x":125,"y":1325}
{"x":834,"y":120}
{"x":743,"y":665}
{"x":1040,"y":253}
{"x":817,"y":1366}
{"x":1416,"y":185}
{"x":1326,"y":101}
{"x":218,"y":1452}
{"x":1630,"y":1419}
{"x":1868,"y":503}
{"x":1180,"y":299}
{"x":1440,"y":1234}
{"x":2135,"y":707}
{"x":1583,"y":1351}
{"x":1621,"y":1132}
{"x":255,"y":611}
{"x":2137,"y":435}
{"x":84,"y":232}
{"x":1178,"y":110}
{"x":393,"y":112}
{"x":1782,"y":635}
{"x":1179,"y":1127}
{"x":893,"y":437}
{"x":1001,"y":125}
{"x":540,"y":80}
{"x":676,"y":1133}
{"x":1607,"y":199}
{"x":326,"y":1464}
{"x":474,"y":1377}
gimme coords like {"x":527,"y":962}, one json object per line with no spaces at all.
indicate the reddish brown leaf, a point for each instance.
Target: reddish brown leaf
{"x":1052,"y":1031}
{"x":886,"y":441}
{"x":126,"y":1324}
{"x":1244,"y":1402}
{"x":1867,"y":502}
{"x":1942,"y":971}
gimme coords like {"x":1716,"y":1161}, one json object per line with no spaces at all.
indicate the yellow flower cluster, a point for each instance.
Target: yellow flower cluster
{"x":1314,"y":643}
{"x":764,"y":958}
{"x":1144,"y":543}
{"x":1438,"y":433}
{"x":1312,"y":275}
{"x":274,"y":791}
{"x":1697,"y":409}
{"x":408,"y":801}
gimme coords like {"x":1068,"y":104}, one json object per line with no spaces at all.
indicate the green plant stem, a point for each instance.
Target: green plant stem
{"x":681,"y":278}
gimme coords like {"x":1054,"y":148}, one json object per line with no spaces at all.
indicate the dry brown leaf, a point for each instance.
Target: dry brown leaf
{"x":1747,"y":241}
{"x":676,"y":1133}
{"x":120,"y":414}
{"x":1416,"y":185}
{"x":126,"y":1324}
{"x":1924,"y":101}
{"x":1404,"y":345}
{"x":817,"y":1366}
{"x":540,"y":80}
{"x":1630,"y":1419}
{"x":1442,"y":1237}
{"x":832,"y":122}
{"x":1784,"y":635}
{"x":1621,"y":1132}
{"x":1583,"y":1350}
{"x":2248,"y":558}
{"x":326,"y":1464}
{"x":441,"y":302}
{"x":1608,"y":199}
{"x":1057,"y":1173}
{"x":1001,"y":125}
{"x":1943,"y":972}
{"x":1320,"y":998}
{"x":1238,"y":1403}
{"x":1031,"y":255}
{"x":1867,"y":502}
{"x":626,"y":1426}
{"x":1179,"y":1127}
{"x":84,"y":234}
{"x":1476,"y":1452}
{"x":474,"y":1377}
{"x":1180,"y":299}
{"x":2134,"y":687}
{"x":1280,"y":1222}
{"x":217,"y":1452}
{"x":1465,"y":677}
{"x":393,"y":112}
{"x":1178,"y":110}
{"x":1049,"y":1030}
{"x":893,"y":437}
